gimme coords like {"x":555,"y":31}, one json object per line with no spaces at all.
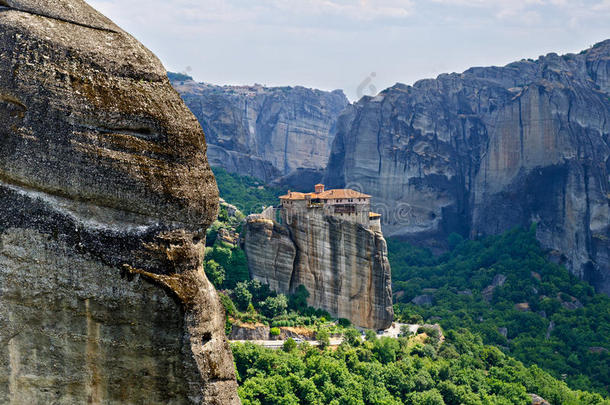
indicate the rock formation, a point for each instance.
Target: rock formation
{"x":105,"y":196}
{"x":489,"y":149}
{"x":343,"y":265}
{"x":265,"y":132}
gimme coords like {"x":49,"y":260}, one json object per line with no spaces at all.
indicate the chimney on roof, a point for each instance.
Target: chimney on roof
{"x":319,"y":188}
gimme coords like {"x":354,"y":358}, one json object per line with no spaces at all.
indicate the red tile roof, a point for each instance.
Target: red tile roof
{"x":325,"y":195}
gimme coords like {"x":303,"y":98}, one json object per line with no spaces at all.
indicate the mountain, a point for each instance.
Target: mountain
{"x":106,"y":195}
{"x":488,"y":149}
{"x":265,"y":132}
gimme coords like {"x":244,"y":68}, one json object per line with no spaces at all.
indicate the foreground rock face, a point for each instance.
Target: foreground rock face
{"x":265,"y":132}
{"x":105,"y":196}
{"x":343,"y":265}
{"x":489,"y":149}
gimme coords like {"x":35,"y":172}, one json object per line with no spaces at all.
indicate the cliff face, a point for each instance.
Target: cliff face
{"x":489,"y":149}
{"x":262,"y":131}
{"x":106,"y":195}
{"x":343,"y":265}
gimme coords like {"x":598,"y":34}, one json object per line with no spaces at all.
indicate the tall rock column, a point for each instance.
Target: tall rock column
{"x":105,"y":196}
{"x":343,"y":265}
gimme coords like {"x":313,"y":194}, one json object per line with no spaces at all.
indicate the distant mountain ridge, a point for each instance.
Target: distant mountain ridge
{"x":489,"y":149}
{"x":265,"y":132}
{"x":475,"y":153}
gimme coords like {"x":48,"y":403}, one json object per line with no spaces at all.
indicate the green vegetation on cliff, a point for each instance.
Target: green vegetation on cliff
{"x":540,"y":314}
{"x":248,"y":194}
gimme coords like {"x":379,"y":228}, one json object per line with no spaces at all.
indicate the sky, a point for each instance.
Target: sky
{"x":359,"y":46}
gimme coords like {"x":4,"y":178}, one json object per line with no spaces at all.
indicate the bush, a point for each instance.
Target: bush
{"x":370,"y":335}
{"x":323,"y":338}
{"x":274,"y":306}
{"x":274,"y":331}
{"x":215,"y":273}
{"x":344,"y":322}
{"x":242,"y":296}
{"x":405,"y":331}
{"x":289,"y":345}
{"x":228,"y":304}
{"x":298,"y":300}
{"x":352,"y":337}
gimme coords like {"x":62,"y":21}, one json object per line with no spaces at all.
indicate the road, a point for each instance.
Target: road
{"x":392,"y":332}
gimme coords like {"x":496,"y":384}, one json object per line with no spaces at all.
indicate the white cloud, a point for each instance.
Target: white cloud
{"x":236,"y":11}
{"x":507,"y":7}
{"x":357,"y":10}
{"x":335,"y":43}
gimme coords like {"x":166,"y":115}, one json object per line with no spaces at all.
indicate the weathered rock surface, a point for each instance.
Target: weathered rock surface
{"x":105,"y":196}
{"x":265,"y":132}
{"x":423,"y":300}
{"x":343,"y":265}
{"x":538,"y":400}
{"x":488,"y":292}
{"x":248,"y":331}
{"x":489,"y":149}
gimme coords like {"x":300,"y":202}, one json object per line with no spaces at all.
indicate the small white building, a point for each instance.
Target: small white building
{"x":346,"y":204}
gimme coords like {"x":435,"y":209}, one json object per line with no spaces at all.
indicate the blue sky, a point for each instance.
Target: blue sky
{"x":360,"y":46}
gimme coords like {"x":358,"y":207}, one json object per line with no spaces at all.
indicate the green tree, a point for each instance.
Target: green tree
{"x":289,"y":345}
{"x":242,"y":296}
{"x":215,"y":273}
{"x":274,"y":306}
{"x":370,"y":335}
{"x":228,"y":304}
{"x":323,"y":338}
{"x":352,"y":337}
{"x":298,"y":300}
{"x":405,"y":331}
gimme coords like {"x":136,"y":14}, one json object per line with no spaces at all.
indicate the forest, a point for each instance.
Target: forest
{"x":541,"y":314}
{"x":428,"y":371}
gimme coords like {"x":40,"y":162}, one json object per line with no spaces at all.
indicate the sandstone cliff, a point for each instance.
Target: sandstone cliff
{"x":105,"y":196}
{"x":343,"y":265}
{"x":266,"y":132}
{"x":489,"y":149}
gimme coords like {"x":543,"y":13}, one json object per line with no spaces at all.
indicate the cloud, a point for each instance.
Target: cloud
{"x":277,"y":12}
{"x":336,"y":43}
{"x":357,"y":10}
{"x":509,"y":7}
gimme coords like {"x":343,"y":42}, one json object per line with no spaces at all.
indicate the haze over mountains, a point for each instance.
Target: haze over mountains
{"x":473,"y":153}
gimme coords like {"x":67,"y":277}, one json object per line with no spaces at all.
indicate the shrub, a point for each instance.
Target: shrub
{"x":352,"y":336}
{"x":370,"y":335}
{"x":215,"y":273}
{"x":274,"y":306}
{"x":242,"y":296}
{"x":298,"y":300}
{"x":323,"y":338}
{"x":289,"y":345}
{"x":228,"y":304}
